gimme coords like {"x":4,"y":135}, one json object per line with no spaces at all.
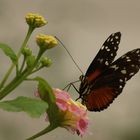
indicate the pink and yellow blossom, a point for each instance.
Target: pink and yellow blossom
{"x":74,"y":113}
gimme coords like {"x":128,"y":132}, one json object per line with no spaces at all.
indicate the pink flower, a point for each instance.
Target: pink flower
{"x":74,"y":113}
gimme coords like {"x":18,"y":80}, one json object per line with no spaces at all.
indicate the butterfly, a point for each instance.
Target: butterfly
{"x":105,"y":78}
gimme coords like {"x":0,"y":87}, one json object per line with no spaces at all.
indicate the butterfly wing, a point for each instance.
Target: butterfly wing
{"x":104,"y":57}
{"x":112,"y":81}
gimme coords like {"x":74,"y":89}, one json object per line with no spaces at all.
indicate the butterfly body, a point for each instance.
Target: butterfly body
{"x":106,"y":78}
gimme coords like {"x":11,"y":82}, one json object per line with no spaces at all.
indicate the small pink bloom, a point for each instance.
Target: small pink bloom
{"x":61,"y":94}
{"x":74,"y":113}
{"x":61,"y":99}
{"x":82,"y":125}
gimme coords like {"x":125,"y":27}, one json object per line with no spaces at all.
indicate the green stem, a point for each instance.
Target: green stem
{"x":16,"y":69}
{"x":46,"y":130}
{"x":13,"y":84}
{"x":36,"y":70}
{"x":30,"y":30}
{"x":22,"y":66}
{"x":19,"y":79}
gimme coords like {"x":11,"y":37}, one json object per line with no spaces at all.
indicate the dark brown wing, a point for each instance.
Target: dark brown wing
{"x":112,"y":81}
{"x":104,"y":57}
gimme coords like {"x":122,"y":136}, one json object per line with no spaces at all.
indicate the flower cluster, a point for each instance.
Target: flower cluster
{"x":74,"y":113}
{"x":46,"y":41}
{"x":35,"y":20}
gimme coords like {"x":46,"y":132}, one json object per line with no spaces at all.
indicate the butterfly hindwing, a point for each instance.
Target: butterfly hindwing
{"x":104,"y":57}
{"x":128,"y":64}
{"x":112,"y":81}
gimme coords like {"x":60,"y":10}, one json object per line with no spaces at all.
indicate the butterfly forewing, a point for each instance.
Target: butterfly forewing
{"x":111,"y":82}
{"x":104,"y":57}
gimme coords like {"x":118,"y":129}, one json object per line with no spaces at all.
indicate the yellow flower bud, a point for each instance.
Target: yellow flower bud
{"x":46,"y":41}
{"x":35,"y":20}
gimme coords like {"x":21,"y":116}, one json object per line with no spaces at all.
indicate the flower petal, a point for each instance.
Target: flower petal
{"x":82,"y":126}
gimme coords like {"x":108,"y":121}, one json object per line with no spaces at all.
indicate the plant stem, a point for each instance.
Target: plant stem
{"x":36,"y":70}
{"x":19,"y":78}
{"x":22,"y":66}
{"x":13,"y":84}
{"x":30,"y":30}
{"x":46,"y":130}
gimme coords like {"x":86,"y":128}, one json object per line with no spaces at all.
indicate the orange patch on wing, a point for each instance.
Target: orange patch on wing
{"x":93,"y":75}
{"x":100,"y":99}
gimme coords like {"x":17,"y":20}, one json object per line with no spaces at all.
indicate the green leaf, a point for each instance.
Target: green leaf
{"x":34,"y":107}
{"x":46,"y":94}
{"x":45,"y":90}
{"x":9,"y":52}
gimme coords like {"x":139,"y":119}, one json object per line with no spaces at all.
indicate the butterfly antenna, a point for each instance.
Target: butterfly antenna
{"x":69,"y":54}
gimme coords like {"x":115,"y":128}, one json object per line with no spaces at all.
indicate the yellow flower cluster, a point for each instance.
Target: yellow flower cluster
{"x":46,"y":41}
{"x":35,"y":20}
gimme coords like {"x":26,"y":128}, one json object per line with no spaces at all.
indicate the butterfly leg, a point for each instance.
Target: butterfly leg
{"x":72,"y":84}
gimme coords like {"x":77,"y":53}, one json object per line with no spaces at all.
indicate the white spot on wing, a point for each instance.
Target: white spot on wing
{"x":125,"y":79}
{"x":111,"y":54}
{"x":123,"y":71}
{"x":120,"y":86}
{"x":132,"y":73}
{"x":111,"y":39}
{"x":102,"y":47}
{"x":106,"y":47}
{"x":128,"y":60}
{"x":117,"y":42}
{"x":133,"y":65}
{"x":121,"y":80}
{"x":106,"y":63}
{"x":138,"y":51}
{"x":113,"y":34}
{"x":114,"y":67}
{"x":100,"y":60}
{"x":108,"y":39}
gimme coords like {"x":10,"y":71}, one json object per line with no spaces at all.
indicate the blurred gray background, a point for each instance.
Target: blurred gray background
{"x":82,"y":25}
